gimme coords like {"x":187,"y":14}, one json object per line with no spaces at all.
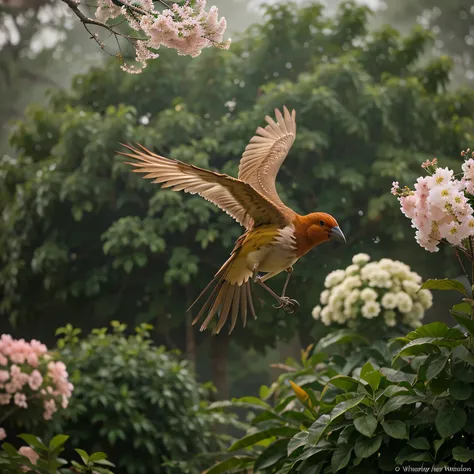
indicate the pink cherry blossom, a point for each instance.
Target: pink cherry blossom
{"x":438,"y":207}
{"x":29,"y":453}
{"x":185,"y":28}
{"x":3,"y":434}
{"x":36,"y":379}
{"x":30,"y":379}
{"x":20,"y":400}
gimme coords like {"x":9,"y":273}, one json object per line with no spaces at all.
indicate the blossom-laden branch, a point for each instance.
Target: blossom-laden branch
{"x":440,"y":206}
{"x":187,"y":28}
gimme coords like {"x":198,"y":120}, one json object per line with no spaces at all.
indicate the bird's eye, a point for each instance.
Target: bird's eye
{"x":321,"y":223}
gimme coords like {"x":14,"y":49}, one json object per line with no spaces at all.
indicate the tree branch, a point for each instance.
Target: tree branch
{"x":74,"y":6}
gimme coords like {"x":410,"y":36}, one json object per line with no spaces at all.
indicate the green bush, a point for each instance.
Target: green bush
{"x":44,"y":459}
{"x":411,"y":402}
{"x":136,"y":402}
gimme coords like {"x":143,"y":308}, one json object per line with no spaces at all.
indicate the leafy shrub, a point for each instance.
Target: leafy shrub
{"x":44,"y":459}
{"x":136,"y":402}
{"x":414,"y":406}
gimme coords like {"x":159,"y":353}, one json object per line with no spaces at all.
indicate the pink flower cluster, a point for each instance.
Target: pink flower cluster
{"x":29,"y":453}
{"x":438,"y":207}
{"x":29,"y":378}
{"x":188,"y":28}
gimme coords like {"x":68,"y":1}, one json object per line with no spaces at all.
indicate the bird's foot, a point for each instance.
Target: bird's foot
{"x":288,"y":305}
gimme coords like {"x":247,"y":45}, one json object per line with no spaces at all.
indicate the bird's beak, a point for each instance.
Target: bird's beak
{"x":336,"y":233}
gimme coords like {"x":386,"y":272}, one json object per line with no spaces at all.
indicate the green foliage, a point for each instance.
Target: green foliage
{"x":411,"y":406}
{"x":48,"y":460}
{"x":136,"y":401}
{"x":80,"y":234}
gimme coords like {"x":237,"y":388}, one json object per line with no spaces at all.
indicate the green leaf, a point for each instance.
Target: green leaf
{"x":396,"y":429}
{"x":436,"y":330}
{"x":84,"y":455}
{"x":466,"y":322}
{"x":436,"y":366}
{"x":393,"y":390}
{"x":297,"y":441}
{"x":370,"y":375}
{"x":271,"y":455}
{"x":341,"y":457}
{"x":225,"y":466}
{"x":254,"y":438}
{"x":462,"y":353}
{"x":449,"y":420}
{"x":252,"y":401}
{"x":317,"y":429}
{"x":264,"y":392}
{"x":104,"y":462}
{"x":421,"y":345}
{"x":344,"y":382}
{"x":444,"y":284}
{"x":395,"y":403}
{"x":437,"y":443}
{"x":9,"y":449}
{"x":420,"y":443}
{"x":366,"y":447}
{"x":33,"y":441}
{"x":462,"y":454}
{"x":57,"y":441}
{"x":418,"y":456}
{"x":342,"y":336}
{"x":99,"y":456}
{"x":460,"y":390}
{"x":464,"y":308}
{"x":366,"y":425}
{"x":397,"y":376}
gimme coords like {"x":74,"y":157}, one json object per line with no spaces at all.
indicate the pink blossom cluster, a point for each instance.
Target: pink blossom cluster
{"x":188,"y":28}
{"x":29,"y":378}
{"x":29,"y":453}
{"x":438,"y":206}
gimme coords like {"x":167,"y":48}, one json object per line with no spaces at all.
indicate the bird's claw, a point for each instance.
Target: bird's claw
{"x":288,"y":305}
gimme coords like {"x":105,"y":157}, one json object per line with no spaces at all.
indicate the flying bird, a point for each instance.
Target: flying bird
{"x":275,"y":236}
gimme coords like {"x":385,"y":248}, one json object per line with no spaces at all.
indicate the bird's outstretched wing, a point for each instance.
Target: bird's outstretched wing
{"x":265,"y":154}
{"x":237,"y":198}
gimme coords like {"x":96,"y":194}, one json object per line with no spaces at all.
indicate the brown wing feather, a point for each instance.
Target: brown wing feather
{"x":265,"y":154}
{"x":237,"y":198}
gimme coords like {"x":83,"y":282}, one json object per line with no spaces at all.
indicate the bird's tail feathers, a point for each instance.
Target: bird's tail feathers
{"x":226,"y":298}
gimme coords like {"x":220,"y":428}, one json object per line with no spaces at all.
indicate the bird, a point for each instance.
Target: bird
{"x":275,"y":236}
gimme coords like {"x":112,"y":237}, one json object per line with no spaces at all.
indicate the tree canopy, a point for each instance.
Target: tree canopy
{"x":83,"y":240}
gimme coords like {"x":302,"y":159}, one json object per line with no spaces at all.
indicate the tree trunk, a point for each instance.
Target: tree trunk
{"x":219,"y":358}
{"x":191,"y":351}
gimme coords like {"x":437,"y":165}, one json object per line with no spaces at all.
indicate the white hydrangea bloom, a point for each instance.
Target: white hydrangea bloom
{"x":368,"y":294}
{"x":334,"y":278}
{"x":389,"y":300}
{"x":360,"y":259}
{"x":371,"y":309}
{"x":326,"y":316}
{"x":351,"y":282}
{"x":410,"y":287}
{"x":352,"y":270}
{"x":404,"y":302}
{"x":390,"y":318}
{"x":316,"y":312}
{"x":426,"y":298}
{"x":386,"y":288}
{"x":324,"y":298}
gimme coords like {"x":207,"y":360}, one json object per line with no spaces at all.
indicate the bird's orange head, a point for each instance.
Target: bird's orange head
{"x":324,"y":227}
{"x":314,"y":229}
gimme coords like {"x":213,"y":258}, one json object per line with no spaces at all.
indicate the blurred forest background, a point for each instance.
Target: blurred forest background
{"x":84,"y":241}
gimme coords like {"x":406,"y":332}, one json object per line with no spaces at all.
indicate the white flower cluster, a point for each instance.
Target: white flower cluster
{"x":385,"y":289}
